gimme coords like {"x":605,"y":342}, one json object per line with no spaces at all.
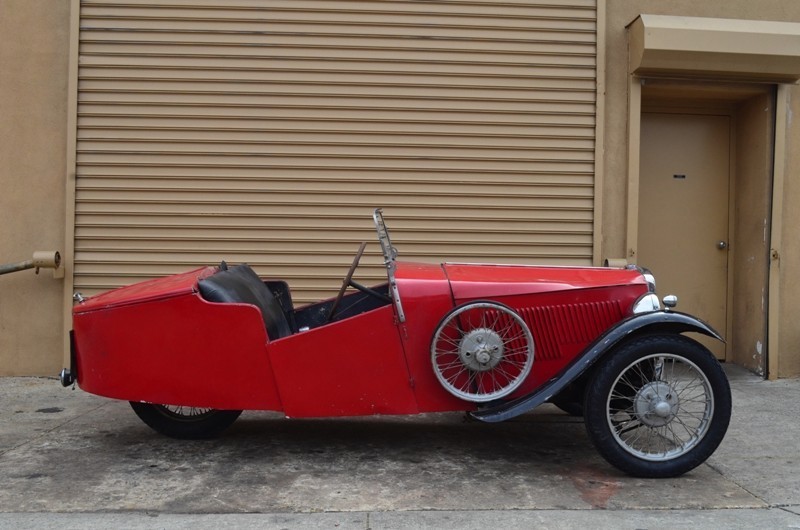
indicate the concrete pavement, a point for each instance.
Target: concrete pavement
{"x":70,"y":459}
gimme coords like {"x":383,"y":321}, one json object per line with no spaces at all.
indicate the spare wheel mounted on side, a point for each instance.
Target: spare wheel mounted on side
{"x":482,"y":351}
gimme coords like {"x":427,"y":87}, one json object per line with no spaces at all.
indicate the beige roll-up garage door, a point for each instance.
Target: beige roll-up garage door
{"x":267,"y":131}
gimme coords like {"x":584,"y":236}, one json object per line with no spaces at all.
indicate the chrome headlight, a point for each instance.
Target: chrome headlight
{"x":646,"y":303}
{"x":650,"y":279}
{"x":647,"y":274}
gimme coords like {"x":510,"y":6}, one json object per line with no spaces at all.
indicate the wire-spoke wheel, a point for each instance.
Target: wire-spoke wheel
{"x":482,"y":351}
{"x":185,"y":422}
{"x":658,"y":407}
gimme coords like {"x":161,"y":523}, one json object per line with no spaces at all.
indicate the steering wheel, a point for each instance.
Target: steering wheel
{"x":348,"y":281}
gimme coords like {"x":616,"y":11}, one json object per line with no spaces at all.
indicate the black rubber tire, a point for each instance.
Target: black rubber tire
{"x":597,"y":398}
{"x":573,"y":408}
{"x":207,"y":424}
{"x":570,"y":399}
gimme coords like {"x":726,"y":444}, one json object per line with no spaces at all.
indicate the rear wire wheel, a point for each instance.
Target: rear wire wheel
{"x":482,"y":351}
{"x":658,"y":407}
{"x":185,"y":422}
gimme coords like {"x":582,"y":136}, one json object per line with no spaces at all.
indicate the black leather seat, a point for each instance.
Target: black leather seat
{"x":240,"y":284}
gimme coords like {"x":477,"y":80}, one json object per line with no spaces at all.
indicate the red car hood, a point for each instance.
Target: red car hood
{"x":469,"y":281}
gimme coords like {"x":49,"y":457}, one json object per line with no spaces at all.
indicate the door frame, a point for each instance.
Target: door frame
{"x":772,"y":304}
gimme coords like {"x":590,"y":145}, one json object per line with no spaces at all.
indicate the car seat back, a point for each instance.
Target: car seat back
{"x":240,"y":284}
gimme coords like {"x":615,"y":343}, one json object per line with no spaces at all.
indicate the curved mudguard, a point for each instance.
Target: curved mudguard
{"x":655,"y":322}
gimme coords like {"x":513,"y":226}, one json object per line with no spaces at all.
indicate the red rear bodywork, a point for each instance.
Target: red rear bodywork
{"x":161,"y":342}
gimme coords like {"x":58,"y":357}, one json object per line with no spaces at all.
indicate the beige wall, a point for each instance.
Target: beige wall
{"x":33,"y":124}
{"x":619,"y":13}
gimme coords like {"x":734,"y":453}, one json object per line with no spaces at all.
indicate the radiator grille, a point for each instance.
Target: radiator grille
{"x":560,"y":328}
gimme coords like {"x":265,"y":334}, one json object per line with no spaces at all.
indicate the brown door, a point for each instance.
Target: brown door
{"x":683,"y":212}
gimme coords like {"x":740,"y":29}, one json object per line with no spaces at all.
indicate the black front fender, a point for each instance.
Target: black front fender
{"x":655,"y":322}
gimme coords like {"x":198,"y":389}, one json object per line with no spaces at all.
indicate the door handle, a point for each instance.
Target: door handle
{"x":722,"y":245}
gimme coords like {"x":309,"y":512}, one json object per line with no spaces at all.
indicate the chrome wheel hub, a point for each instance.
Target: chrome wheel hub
{"x":656,"y":404}
{"x":481,"y":349}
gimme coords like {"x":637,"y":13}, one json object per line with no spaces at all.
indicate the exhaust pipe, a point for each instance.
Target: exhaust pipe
{"x":42,"y":259}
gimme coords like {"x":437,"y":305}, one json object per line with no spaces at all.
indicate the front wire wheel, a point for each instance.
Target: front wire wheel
{"x":482,"y":351}
{"x":658,"y":407}
{"x":185,"y":422}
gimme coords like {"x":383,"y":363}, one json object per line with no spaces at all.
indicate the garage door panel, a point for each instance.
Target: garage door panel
{"x":103,"y":137}
{"x":267,"y":133}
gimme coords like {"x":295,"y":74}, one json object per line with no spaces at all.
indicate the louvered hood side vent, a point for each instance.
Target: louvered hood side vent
{"x":561,"y":328}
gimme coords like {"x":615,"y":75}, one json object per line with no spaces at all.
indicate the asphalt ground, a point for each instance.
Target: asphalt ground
{"x":72,"y":460}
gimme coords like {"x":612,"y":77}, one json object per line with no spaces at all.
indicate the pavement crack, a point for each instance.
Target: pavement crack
{"x":46,"y":432}
{"x":738,"y":484}
{"x":785,"y":508}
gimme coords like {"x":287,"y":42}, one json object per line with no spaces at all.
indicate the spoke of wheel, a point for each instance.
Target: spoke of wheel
{"x":509,"y":359}
{"x":506,"y":374}
{"x":461,"y":371}
{"x":628,"y":428}
{"x":497,"y":317}
{"x":695,"y":416}
{"x":186,"y":412}
{"x":455,"y":342}
{"x":452,"y":374}
{"x":691,"y":432}
{"x":649,"y":440}
{"x":457,"y":375}
{"x":626,"y":381}
{"x":676,"y":440}
{"x":516,"y":364}
{"x":495,"y":385}
{"x":699,"y":387}
{"x":504,"y":336}
{"x":640,"y":371}
{"x":699,"y":398}
{"x":641,"y":431}
{"x":659,"y":439}
{"x":615,"y":394}
{"x":471,"y":380}
{"x":503,"y":332}
{"x":673,"y":363}
{"x":510,"y":372}
{"x":693,"y":390}
{"x":478,"y":385}
{"x":483,"y":319}
{"x":521,"y":349}
{"x":450,"y":364}
{"x":449,"y":369}
{"x":685,"y":389}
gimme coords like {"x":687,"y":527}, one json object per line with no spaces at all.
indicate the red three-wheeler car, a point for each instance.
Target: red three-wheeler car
{"x":191,"y":351}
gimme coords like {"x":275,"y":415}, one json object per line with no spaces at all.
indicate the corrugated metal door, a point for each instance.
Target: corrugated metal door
{"x":266,"y":131}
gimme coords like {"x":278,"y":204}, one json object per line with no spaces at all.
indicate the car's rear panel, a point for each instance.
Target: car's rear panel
{"x":160,"y":342}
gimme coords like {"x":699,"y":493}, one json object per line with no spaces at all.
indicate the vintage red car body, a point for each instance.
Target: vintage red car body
{"x":161,"y":342}
{"x":165,"y":342}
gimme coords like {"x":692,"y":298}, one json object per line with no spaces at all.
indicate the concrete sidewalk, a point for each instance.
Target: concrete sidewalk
{"x":69,"y":459}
